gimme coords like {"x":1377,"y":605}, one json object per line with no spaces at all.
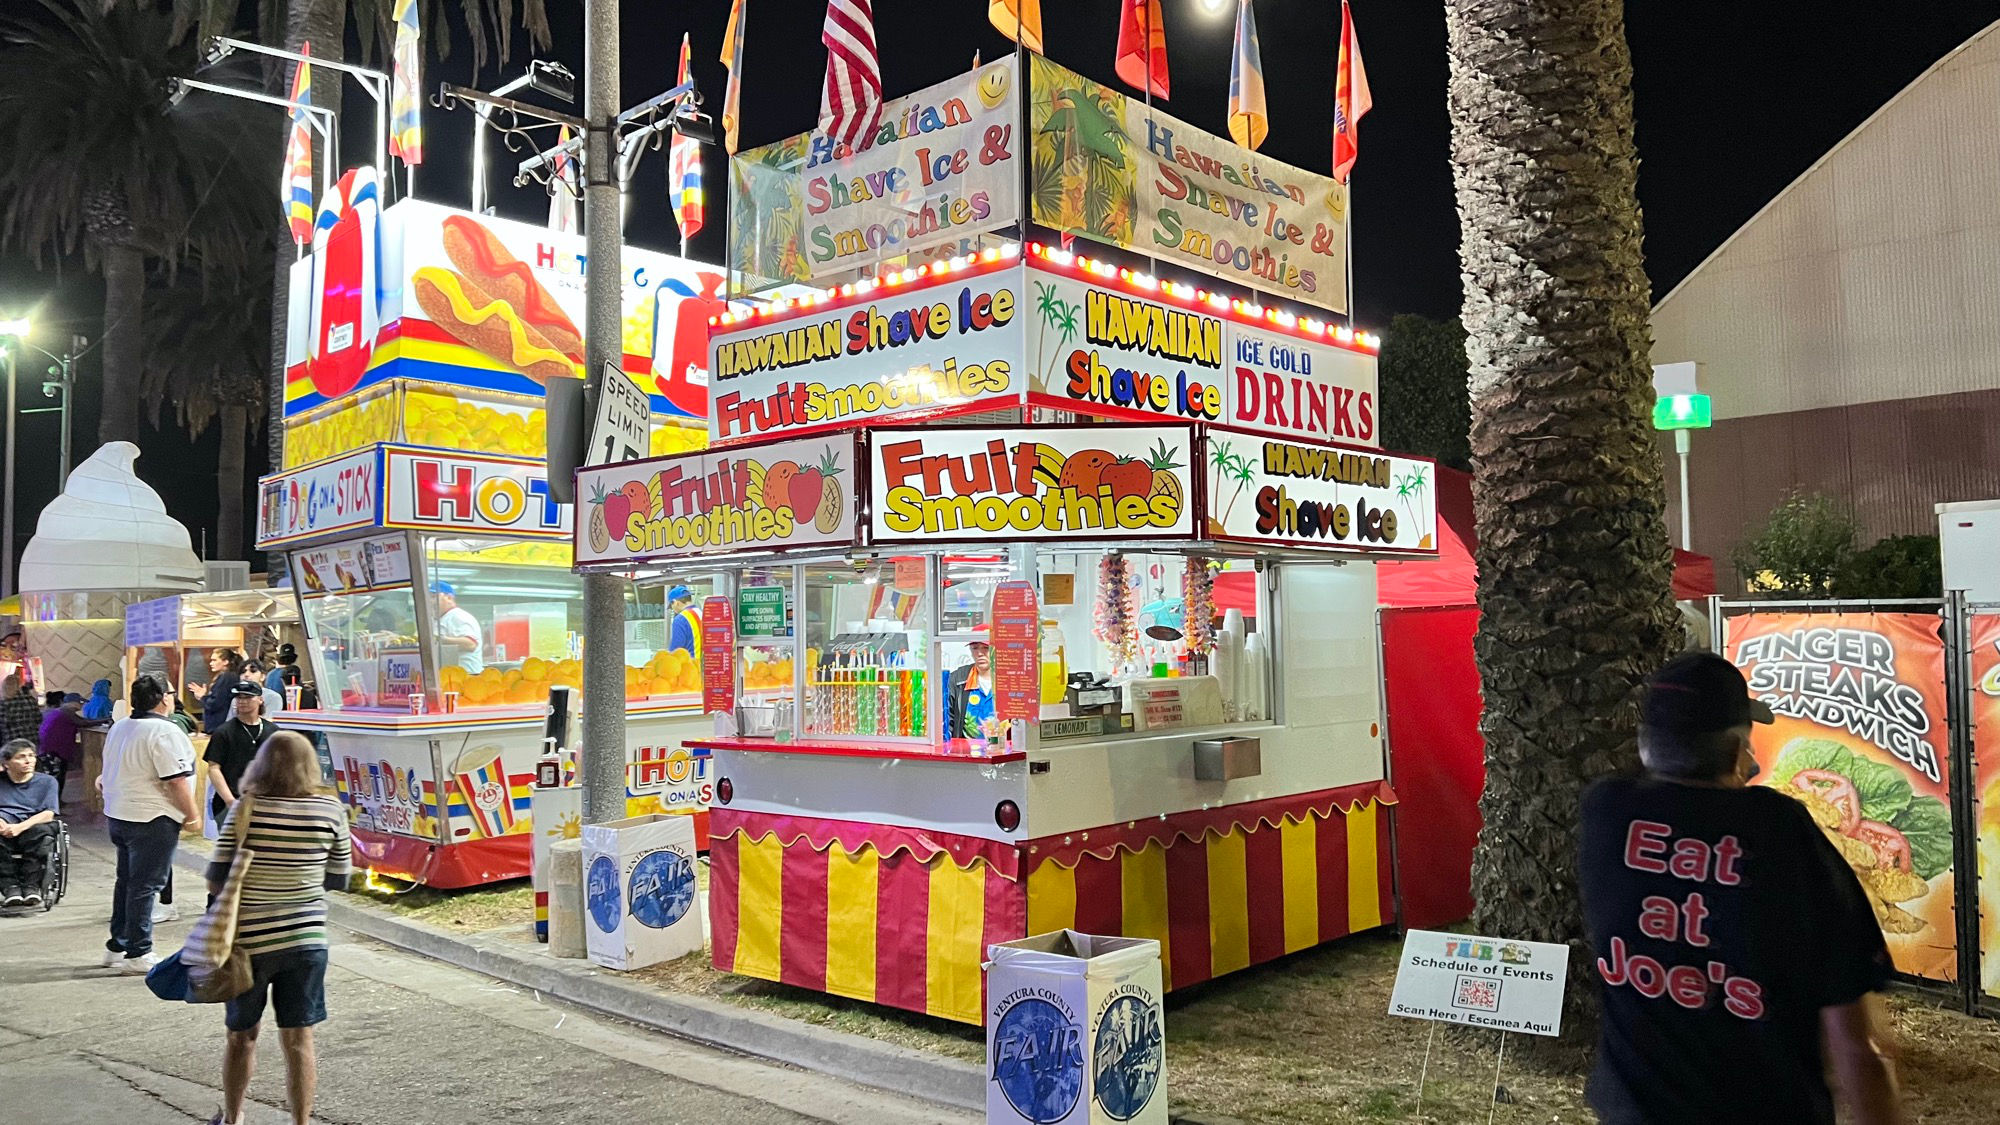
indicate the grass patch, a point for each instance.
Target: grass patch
{"x":496,"y":906}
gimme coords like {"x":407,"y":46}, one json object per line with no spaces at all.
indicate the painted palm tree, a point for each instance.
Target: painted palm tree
{"x":1411,"y":488}
{"x":100,"y":166}
{"x":1573,"y":557}
{"x":1230,"y":466}
{"x":206,"y":337}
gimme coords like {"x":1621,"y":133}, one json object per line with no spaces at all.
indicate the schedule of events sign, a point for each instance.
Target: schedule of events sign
{"x":944,"y":167}
{"x":950,"y":342}
{"x":1482,"y":981}
{"x":1860,"y":740}
{"x":1094,"y":482}
{"x":1110,"y":168}
{"x":1281,"y":493}
{"x":762,"y":496}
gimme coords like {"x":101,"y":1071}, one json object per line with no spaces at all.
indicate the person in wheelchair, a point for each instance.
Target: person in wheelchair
{"x":27,"y":825}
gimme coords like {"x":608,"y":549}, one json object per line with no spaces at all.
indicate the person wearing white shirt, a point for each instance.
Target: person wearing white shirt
{"x":459,"y":638}
{"x":148,"y":786}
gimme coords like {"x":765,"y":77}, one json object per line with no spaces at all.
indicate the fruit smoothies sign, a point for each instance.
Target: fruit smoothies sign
{"x":942,"y":168}
{"x":902,"y":350}
{"x":474,"y":301}
{"x":1282,"y":493}
{"x":1049,"y":482}
{"x":1860,"y":740}
{"x":749,"y":497}
{"x":470,"y":492}
{"x":1121,"y":354}
{"x":1110,"y":168}
{"x":718,"y":655}
{"x":1985,"y":636}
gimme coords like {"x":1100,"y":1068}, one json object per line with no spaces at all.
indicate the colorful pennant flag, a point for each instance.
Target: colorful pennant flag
{"x":851,"y":108}
{"x":684,"y":172}
{"x":1351,"y":98}
{"x":1249,"y":121}
{"x":298,"y":197}
{"x":1019,"y":20}
{"x":1142,"y":46}
{"x":562,"y":188}
{"x":406,"y":121}
{"x":732,"y":58}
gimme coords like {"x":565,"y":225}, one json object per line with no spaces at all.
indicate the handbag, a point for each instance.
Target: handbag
{"x":168,"y":980}
{"x":218,"y":970}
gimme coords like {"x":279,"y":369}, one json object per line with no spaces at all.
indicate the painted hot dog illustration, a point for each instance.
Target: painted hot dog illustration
{"x":491,"y":302}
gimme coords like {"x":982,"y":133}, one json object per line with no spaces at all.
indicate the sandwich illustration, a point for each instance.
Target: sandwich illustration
{"x":1896,"y":839}
{"x":490,"y":301}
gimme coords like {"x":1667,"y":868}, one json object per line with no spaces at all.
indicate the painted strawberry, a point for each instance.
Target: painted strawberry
{"x":1128,"y":476}
{"x":808,"y":489}
{"x":617,"y":509}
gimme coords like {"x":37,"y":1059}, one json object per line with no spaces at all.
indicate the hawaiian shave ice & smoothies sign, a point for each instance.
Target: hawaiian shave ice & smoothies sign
{"x":929,"y":348}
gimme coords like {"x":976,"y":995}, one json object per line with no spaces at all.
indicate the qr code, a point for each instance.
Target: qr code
{"x":1480,"y":993}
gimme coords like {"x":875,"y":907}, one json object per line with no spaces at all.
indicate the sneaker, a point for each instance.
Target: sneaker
{"x":112,"y":958}
{"x":12,"y":897}
{"x":139,"y":965}
{"x":33,"y":897}
{"x":165,"y":912}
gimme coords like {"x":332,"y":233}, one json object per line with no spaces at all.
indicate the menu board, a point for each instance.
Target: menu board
{"x":1014,"y":625}
{"x":152,"y":623}
{"x":718,"y":655}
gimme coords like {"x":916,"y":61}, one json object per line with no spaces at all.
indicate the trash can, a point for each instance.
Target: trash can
{"x":1074,"y":1031}
{"x":640,"y":903}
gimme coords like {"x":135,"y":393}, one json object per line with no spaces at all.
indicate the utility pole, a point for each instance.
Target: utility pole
{"x":603,"y":758}
{"x":7,"y":517}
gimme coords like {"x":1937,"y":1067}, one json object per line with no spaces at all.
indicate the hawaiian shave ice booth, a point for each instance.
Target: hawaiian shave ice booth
{"x":430,"y":562}
{"x":956,"y":563}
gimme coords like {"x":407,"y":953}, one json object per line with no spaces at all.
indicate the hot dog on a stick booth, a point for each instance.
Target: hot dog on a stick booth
{"x":431,"y":565}
{"x":956,"y":539}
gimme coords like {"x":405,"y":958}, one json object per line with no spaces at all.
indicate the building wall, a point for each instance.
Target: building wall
{"x":1849,"y":334}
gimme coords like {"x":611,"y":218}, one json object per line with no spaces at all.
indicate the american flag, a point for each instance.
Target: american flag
{"x":562,"y":188}
{"x":732,"y":93}
{"x":406,"y":122}
{"x":851,"y":109}
{"x":298,"y":198}
{"x":1350,"y":97}
{"x":684,"y":173}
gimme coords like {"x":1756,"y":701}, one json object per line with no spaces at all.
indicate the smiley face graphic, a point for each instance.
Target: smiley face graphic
{"x":992,"y":87}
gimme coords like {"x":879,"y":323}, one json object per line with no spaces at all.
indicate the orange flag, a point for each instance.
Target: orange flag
{"x":1351,"y":98}
{"x":1142,"y":46}
{"x":1019,"y":20}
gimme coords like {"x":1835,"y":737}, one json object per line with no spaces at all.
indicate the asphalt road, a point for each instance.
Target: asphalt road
{"x":409,"y":1042}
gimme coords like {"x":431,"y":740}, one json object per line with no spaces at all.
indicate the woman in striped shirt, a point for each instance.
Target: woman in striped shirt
{"x":298,"y":836}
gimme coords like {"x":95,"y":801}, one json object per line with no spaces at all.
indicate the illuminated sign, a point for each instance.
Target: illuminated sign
{"x":472,"y":493}
{"x":333,"y":495}
{"x":1289,"y":494}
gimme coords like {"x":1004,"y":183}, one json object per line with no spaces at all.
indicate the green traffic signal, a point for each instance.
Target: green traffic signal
{"x":1681,"y":412}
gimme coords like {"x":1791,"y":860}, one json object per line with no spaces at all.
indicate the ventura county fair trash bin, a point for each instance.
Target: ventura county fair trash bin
{"x":640,"y":905}
{"x":1075,"y":1032}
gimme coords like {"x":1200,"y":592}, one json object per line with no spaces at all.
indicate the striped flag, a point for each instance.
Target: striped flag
{"x":851,"y":108}
{"x":562,"y":188}
{"x":298,"y":200}
{"x":1249,"y":122}
{"x":1350,"y":97}
{"x":732,"y":92}
{"x":406,"y":121}
{"x":1019,"y":20}
{"x":1142,"y":46}
{"x":684,"y":173}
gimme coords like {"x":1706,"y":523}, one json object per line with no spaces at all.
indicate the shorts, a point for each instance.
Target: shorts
{"x":295,"y":980}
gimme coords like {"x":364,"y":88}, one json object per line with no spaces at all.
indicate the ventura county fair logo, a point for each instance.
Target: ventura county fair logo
{"x":1843,"y":678}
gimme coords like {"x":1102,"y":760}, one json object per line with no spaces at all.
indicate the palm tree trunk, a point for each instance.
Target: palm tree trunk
{"x":229,"y":482}
{"x":1575,"y":605}
{"x":124,"y":302}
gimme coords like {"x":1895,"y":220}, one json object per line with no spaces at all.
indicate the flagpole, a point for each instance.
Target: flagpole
{"x":1347,"y":237}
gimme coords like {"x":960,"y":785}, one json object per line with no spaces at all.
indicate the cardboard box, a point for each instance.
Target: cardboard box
{"x":1075,"y":1034}
{"x":640,"y":902}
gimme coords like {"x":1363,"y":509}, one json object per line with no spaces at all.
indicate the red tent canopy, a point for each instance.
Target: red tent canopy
{"x":1451,"y":578}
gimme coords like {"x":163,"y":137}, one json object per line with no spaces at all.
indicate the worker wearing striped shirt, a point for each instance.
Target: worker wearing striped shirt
{"x":299,"y":842}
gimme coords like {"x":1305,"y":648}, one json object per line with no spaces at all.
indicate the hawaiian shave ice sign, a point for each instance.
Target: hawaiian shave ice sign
{"x":947,"y":345}
{"x":943,"y":168}
{"x":1281,"y":493}
{"x":1485,"y":982}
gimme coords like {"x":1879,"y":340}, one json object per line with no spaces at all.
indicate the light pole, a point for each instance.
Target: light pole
{"x":15,"y":332}
{"x":1683,"y":414}
{"x":553,"y":79}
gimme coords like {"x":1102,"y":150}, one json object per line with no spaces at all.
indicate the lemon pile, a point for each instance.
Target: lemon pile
{"x":456,"y":423}
{"x":348,"y":428}
{"x":670,"y":439}
{"x":667,"y":673}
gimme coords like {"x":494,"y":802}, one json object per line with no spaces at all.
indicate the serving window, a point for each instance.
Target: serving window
{"x":364,"y":648}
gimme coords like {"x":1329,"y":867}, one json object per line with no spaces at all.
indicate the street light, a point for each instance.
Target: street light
{"x":17,"y":332}
{"x":62,"y":372}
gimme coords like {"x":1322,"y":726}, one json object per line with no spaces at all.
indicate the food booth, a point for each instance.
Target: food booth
{"x":955,"y":543}
{"x":430,"y":561}
{"x":208,"y":620}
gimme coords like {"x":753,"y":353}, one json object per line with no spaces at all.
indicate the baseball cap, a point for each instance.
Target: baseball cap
{"x":443,"y":588}
{"x":247,"y":689}
{"x":1698,"y":693}
{"x":679,"y":592}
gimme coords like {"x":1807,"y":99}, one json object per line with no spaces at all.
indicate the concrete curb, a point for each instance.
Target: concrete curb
{"x":853,"y":1058}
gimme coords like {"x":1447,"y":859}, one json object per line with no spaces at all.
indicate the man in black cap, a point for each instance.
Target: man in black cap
{"x":232,"y":746}
{"x":1736,"y":947}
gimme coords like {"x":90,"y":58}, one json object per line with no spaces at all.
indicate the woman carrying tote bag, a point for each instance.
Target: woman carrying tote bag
{"x":298,"y":834}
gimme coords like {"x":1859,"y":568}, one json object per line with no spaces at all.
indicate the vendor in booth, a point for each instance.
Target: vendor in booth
{"x":969,"y":694}
{"x":684,"y":629}
{"x":460,"y":640}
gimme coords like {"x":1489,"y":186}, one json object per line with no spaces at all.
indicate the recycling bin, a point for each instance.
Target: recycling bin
{"x":1075,"y":1033}
{"x":639,"y":896}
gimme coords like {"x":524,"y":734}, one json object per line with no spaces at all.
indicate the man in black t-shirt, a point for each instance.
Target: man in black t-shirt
{"x":1736,"y":947}
{"x":235,"y":743}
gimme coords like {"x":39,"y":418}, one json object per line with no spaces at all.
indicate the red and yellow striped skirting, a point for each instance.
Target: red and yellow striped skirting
{"x":903,"y":917}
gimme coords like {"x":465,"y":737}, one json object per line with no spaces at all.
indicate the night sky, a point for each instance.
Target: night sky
{"x":1734,"y":100}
